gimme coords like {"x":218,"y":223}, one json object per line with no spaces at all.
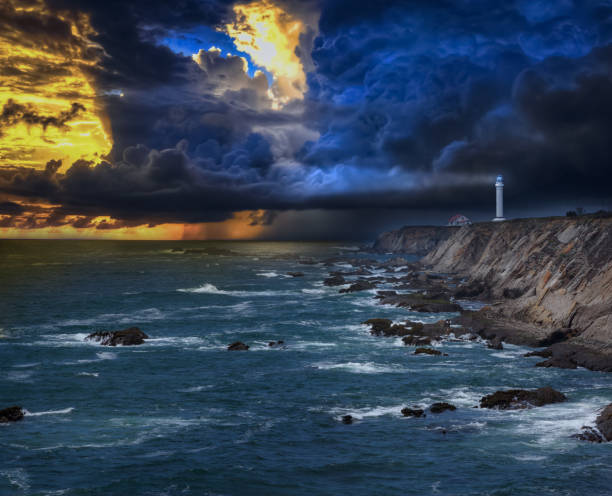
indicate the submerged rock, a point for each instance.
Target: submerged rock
{"x":11,"y":414}
{"x":238,"y":346}
{"x":276,"y":343}
{"x":347,"y":419}
{"x":427,"y":351}
{"x":295,"y":274}
{"x":514,"y":399}
{"x":442,"y":407}
{"x":127,"y":337}
{"x":413,"y":412}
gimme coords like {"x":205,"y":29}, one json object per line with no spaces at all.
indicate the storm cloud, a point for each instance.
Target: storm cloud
{"x":409,"y":106}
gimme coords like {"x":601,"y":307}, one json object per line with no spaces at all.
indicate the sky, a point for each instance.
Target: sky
{"x":287,"y":119}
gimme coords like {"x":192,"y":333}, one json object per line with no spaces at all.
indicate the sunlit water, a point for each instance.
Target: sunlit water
{"x":182,"y":415}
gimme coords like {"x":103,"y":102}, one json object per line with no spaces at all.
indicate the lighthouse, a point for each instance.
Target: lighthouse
{"x":499,"y":199}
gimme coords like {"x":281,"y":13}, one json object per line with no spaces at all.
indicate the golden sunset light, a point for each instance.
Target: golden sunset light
{"x":48,"y":107}
{"x":270,"y":36}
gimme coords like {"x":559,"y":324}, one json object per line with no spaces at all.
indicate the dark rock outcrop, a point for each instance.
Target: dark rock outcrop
{"x":11,"y":414}
{"x":336,"y":280}
{"x":514,"y":399}
{"x":568,"y":355}
{"x":495,"y":344}
{"x":295,"y":274}
{"x":238,"y":346}
{"x":347,"y":419}
{"x":420,"y":302}
{"x":589,"y":434}
{"x":276,"y":343}
{"x":360,"y":285}
{"x":413,"y":412}
{"x":427,"y":351}
{"x":127,"y":337}
{"x":441,"y":407}
{"x":604,"y":422}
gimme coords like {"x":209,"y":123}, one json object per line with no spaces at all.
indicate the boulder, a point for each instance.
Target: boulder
{"x":238,"y":346}
{"x":295,"y":274}
{"x":126,"y":337}
{"x":495,"y":344}
{"x":359,"y":286}
{"x":412,"y":340}
{"x":336,"y":280}
{"x":276,"y":343}
{"x":604,"y":422}
{"x":347,"y":419}
{"x":441,"y":407}
{"x":11,"y":414}
{"x":412,"y":412}
{"x":514,"y":399}
{"x":427,"y":351}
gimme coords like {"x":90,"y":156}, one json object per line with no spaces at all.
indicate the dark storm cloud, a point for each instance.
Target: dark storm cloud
{"x":14,"y":113}
{"x":411,"y":105}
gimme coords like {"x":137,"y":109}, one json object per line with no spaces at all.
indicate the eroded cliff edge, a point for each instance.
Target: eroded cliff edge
{"x":552,"y":273}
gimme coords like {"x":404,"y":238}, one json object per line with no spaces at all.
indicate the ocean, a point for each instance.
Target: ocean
{"x":181,"y":415}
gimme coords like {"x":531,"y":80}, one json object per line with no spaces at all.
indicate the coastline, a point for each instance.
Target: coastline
{"x":540,"y":277}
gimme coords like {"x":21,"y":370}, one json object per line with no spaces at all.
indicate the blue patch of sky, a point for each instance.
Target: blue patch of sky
{"x":188,"y":43}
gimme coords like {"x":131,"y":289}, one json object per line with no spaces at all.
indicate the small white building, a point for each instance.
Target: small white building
{"x":499,"y":199}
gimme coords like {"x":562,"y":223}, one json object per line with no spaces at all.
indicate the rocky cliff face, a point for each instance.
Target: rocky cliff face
{"x":413,"y":240}
{"x":555,"y":273}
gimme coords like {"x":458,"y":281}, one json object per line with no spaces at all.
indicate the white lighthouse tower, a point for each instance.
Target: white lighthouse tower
{"x":499,"y":199}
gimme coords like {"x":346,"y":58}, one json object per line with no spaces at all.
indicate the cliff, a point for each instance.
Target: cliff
{"x":413,"y":240}
{"x":554,"y":273}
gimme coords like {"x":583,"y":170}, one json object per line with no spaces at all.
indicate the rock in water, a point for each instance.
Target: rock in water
{"x":442,"y":407}
{"x":11,"y":414}
{"x":127,"y":337}
{"x":514,"y":399}
{"x":334,"y":281}
{"x":412,"y":412}
{"x":238,"y":346}
{"x":604,"y":422}
{"x":495,"y":344}
{"x":427,"y":351}
{"x":347,"y":419}
{"x":588,"y":434}
{"x":295,"y":274}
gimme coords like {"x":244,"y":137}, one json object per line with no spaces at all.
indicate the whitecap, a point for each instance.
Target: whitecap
{"x":361,"y":413}
{"x":268,"y":274}
{"x":50,"y":412}
{"x":212,"y":289}
{"x":314,"y":291}
{"x":17,"y":477}
{"x":359,"y":368}
{"x":89,"y":374}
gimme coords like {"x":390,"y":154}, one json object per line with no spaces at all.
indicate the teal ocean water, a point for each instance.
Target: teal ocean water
{"x":180,"y":415}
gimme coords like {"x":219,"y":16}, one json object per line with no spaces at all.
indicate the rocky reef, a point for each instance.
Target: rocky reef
{"x":126,"y":337}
